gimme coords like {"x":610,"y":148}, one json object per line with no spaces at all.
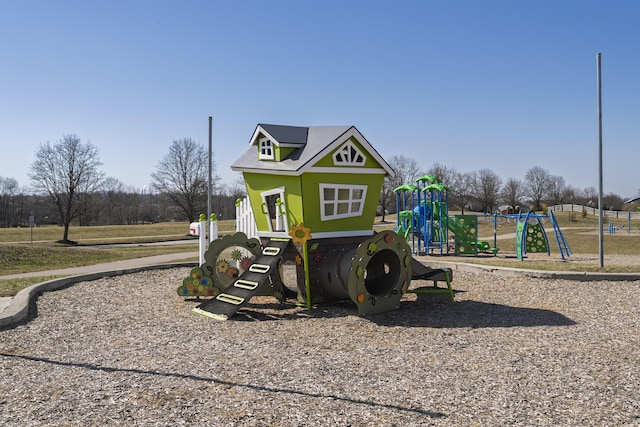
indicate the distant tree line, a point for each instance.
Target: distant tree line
{"x":127,"y":206}
{"x":484,"y":191}
{"x":68,"y":187}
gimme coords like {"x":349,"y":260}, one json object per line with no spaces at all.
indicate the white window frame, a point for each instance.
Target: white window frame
{"x":336,"y":202}
{"x":281,"y":217}
{"x":265,"y":149}
{"x":349,"y":155}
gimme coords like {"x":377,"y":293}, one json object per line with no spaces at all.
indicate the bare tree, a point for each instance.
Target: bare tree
{"x":386,"y":201}
{"x":227,"y":197}
{"x":406,"y":171}
{"x":113,"y":194}
{"x":487,"y":189}
{"x":612,"y":201}
{"x":8,"y":189}
{"x":537,"y":183}
{"x":68,"y":172}
{"x":511,"y":193}
{"x":132,"y":209}
{"x":182,"y":176}
{"x":462,"y":189}
{"x":556,"y":190}
{"x":589,"y":196}
{"x":444,"y":173}
{"x":237,"y":190}
{"x":569,"y":194}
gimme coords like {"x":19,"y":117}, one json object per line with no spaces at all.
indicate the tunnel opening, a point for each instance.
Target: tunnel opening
{"x":382,"y":272}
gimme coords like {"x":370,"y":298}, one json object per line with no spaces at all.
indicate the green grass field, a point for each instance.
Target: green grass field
{"x":107,"y":233}
{"x":19,"y":255}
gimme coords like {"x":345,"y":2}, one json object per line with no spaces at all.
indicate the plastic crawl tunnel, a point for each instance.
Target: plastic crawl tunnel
{"x":374,"y":275}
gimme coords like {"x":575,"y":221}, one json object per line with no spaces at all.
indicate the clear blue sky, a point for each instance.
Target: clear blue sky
{"x":504,"y":85}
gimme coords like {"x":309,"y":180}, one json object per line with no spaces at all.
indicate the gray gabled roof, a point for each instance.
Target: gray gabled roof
{"x":294,"y":135}
{"x":312,"y":143}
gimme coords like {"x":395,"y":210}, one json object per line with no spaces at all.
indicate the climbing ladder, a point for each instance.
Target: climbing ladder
{"x":563,"y":247}
{"x":236,"y":295}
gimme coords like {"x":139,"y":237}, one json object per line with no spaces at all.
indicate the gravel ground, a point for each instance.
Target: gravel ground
{"x":510,"y":351}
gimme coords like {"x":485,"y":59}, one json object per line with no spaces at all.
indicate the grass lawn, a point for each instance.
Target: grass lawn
{"x":19,"y":255}
{"x":93,"y":235}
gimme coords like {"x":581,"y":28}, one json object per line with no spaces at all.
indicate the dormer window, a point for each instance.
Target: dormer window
{"x":266,"y":149}
{"x":348,"y":155}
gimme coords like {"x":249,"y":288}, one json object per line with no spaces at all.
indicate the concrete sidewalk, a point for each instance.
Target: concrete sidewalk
{"x":14,"y":309}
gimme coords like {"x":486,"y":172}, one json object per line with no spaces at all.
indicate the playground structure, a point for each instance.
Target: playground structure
{"x":423,"y":220}
{"x":532,"y":237}
{"x":313,"y":192}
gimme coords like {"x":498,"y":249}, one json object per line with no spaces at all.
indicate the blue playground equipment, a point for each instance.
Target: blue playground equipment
{"x":423,"y":220}
{"x":531,"y":236}
{"x":423,"y":214}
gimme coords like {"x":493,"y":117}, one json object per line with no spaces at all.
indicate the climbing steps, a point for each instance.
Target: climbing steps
{"x":236,"y":295}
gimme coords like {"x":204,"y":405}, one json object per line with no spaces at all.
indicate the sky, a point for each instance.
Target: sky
{"x":492,"y":84}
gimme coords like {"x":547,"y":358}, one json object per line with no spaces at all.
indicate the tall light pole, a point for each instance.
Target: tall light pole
{"x":210,"y":172}
{"x":600,"y":208}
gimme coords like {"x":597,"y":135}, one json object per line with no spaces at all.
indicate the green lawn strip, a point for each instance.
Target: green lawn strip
{"x":107,"y":233}
{"x":10,"y":287}
{"x":16,"y":259}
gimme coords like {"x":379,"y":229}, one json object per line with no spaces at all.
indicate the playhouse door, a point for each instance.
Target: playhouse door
{"x":273,"y":207}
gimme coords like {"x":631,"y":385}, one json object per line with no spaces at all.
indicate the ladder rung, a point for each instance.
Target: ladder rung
{"x":259,"y":268}
{"x":270,"y":251}
{"x":231,"y":299}
{"x":246,"y":284}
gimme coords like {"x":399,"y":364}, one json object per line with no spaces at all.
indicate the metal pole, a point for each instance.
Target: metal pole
{"x":600,"y":207}
{"x":210,"y":172}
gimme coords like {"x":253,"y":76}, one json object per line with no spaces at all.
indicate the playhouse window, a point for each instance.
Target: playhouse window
{"x":266,"y":149}
{"x":348,"y":155}
{"x":341,"y":201}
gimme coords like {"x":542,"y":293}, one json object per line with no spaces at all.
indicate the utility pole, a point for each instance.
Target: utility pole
{"x":209,"y":187}
{"x":600,"y":208}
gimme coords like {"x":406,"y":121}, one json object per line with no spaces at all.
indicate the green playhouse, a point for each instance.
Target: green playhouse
{"x":314,"y":194}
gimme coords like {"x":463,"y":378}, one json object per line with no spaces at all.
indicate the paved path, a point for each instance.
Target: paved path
{"x":8,"y":304}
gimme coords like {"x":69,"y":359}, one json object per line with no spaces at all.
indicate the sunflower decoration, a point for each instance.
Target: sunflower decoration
{"x":222,"y":266}
{"x":300,"y":233}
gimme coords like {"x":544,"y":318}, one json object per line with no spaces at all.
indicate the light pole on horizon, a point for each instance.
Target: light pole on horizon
{"x":210,"y":172}
{"x":600,"y":207}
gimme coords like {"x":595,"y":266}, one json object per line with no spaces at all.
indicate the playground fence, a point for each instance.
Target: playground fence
{"x":245,"y":221}
{"x":569,"y":207}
